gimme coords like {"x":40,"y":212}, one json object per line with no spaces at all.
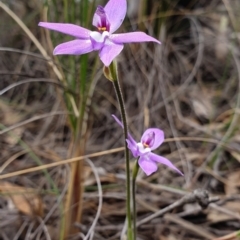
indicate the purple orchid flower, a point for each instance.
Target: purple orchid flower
{"x":107,"y":20}
{"x":151,"y":139}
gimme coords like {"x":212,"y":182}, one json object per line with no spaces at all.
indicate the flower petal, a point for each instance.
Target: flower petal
{"x":132,"y":37}
{"x":67,"y":28}
{"x":132,"y":145}
{"x":121,"y":125}
{"x":118,"y":121}
{"x":162,"y":160}
{"x":75,"y":47}
{"x":147,"y":165}
{"x":159,"y":137}
{"x":109,"y":52}
{"x":116,"y":11}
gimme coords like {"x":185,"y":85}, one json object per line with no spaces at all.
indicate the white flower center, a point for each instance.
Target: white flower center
{"x":99,"y":37}
{"x":143,"y":149}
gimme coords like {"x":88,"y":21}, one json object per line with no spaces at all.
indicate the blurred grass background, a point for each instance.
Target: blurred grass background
{"x":189,"y":87}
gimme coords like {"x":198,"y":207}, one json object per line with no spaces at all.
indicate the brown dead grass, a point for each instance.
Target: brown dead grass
{"x":189,"y":87}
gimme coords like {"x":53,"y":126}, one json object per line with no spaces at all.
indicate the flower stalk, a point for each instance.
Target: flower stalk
{"x":134,"y":178}
{"x":112,"y":74}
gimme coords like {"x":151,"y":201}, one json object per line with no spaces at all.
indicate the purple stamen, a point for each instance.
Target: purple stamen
{"x":103,"y":24}
{"x":148,"y":140}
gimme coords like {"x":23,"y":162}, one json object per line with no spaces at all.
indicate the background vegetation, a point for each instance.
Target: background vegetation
{"x":189,"y":87}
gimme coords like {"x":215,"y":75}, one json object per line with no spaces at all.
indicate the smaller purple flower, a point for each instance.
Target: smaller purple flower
{"x":107,"y":20}
{"x":151,"y":139}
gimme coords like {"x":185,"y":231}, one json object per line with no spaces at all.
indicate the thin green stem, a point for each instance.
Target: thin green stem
{"x":114,"y":78}
{"x":134,"y":177}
